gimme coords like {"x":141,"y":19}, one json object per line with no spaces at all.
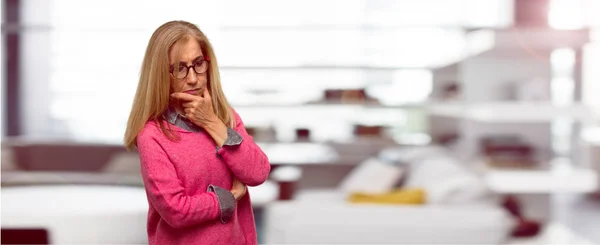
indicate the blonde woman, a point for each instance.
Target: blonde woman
{"x":196,"y":156}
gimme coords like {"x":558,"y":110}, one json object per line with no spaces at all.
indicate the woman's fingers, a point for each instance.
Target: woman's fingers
{"x":206,"y":94}
{"x":184,"y":96}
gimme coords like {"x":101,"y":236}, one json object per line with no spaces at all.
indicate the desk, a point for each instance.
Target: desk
{"x":75,"y":214}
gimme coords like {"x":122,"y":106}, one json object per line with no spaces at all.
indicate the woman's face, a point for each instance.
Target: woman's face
{"x":188,"y":54}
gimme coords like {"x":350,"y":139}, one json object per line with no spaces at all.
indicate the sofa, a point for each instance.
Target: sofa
{"x":59,"y":187}
{"x":457,"y":208}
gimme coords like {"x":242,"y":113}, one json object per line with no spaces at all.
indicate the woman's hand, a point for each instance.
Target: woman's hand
{"x":238,"y":189}
{"x":197,"y":108}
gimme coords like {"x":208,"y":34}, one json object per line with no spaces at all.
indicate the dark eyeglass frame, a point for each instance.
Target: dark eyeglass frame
{"x":193,"y":66}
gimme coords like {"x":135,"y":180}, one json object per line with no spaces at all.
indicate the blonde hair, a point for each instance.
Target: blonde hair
{"x":152,"y":95}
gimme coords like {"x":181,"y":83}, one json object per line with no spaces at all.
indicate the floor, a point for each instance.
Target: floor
{"x":580,"y":213}
{"x":576,"y":221}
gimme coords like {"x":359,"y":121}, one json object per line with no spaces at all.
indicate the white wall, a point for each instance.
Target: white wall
{"x":488,"y":78}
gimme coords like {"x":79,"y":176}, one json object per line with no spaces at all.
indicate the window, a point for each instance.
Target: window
{"x":82,"y":58}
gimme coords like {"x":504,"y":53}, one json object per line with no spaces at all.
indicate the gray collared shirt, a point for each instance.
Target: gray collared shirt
{"x":175,"y":118}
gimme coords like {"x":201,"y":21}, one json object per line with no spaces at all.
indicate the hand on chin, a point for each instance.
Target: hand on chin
{"x":197,"y":108}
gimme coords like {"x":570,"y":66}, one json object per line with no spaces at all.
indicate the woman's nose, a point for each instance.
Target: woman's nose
{"x":192,"y":78}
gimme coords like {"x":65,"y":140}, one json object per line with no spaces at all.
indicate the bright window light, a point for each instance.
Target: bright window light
{"x":566,"y":14}
{"x":408,"y":86}
{"x":563,"y":83}
{"x":591,"y":74}
{"x":592,"y":8}
{"x":256,"y":42}
{"x":563,"y":61}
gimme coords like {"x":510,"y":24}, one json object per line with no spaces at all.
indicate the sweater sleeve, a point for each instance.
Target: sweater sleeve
{"x":166,"y":192}
{"x":245,"y":159}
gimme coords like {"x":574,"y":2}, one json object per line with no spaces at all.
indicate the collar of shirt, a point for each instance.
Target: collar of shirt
{"x":175,"y":118}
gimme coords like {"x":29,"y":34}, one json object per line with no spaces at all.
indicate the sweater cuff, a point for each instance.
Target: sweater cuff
{"x":233,"y":138}
{"x":226,"y":202}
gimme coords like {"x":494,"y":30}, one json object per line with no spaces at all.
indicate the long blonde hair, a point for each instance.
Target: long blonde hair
{"x":152,"y":95}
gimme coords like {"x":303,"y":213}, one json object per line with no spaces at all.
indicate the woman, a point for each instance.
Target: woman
{"x":196,"y":156}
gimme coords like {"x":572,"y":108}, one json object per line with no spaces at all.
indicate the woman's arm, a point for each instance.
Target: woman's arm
{"x":243,"y":156}
{"x":234,"y":146}
{"x":167,"y":195}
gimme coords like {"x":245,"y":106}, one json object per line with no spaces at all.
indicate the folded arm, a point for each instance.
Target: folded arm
{"x":167,"y":195}
{"x":242,"y":155}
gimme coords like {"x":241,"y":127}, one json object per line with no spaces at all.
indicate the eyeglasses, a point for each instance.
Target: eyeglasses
{"x":200,"y":66}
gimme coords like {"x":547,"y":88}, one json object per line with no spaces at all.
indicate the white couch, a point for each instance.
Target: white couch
{"x":459,"y":209}
{"x":78,"y":214}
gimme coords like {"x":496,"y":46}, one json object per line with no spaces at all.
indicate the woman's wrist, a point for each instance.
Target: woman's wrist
{"x":217,"y":130}
{"x":238,"y":193}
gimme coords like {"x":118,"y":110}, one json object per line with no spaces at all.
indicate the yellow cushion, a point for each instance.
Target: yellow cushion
{"x":400,"y":196}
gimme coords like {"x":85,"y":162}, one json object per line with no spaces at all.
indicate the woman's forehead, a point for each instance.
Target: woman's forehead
{"x":185,"y":50}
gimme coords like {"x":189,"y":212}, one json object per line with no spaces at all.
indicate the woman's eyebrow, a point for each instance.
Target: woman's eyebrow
{"x":199,"y":58}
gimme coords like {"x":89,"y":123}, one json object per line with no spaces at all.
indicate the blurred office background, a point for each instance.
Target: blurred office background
{"x":386,"y":121}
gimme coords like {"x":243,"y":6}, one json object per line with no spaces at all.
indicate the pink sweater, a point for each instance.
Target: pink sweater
{"x":176,"y":177}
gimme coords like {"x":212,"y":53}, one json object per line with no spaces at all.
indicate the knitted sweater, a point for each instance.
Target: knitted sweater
{"x":187,"y":184}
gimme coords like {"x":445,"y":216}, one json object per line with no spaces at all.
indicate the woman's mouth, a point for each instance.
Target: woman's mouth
{"x":192,"y":91}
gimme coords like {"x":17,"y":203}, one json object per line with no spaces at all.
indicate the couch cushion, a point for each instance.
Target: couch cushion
{"x":372,"y":176}
{"x":401,"y":196}
{"x":446,"y":181}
